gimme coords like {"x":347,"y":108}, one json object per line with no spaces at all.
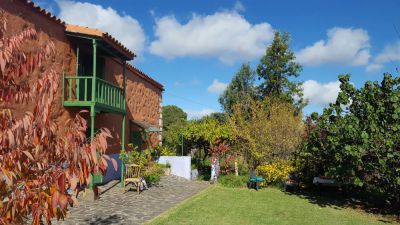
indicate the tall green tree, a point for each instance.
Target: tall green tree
{"x":276,"y":69}
{"x":174,"y":120}
{"x":240,"y":89}
{"x":172,"y":114}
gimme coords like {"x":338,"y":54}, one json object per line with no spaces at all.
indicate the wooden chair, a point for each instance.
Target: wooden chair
{"x":132,"y":175}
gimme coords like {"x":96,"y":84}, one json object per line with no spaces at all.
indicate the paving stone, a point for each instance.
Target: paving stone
{"x":116,"y":207}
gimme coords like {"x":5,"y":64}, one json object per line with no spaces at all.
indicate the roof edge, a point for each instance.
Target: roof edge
{"x":43,"y":12}
{"x":105,"y":36}
{"x":145,"y":76}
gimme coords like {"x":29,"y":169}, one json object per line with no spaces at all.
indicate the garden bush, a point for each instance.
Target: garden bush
{"x":153,"y":173}
{"x":232,"y":181}
{"x":166,"y":151}
{"x":275,"y":172}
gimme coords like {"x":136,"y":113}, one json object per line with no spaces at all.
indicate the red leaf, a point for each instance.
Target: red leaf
{"x":61,"y":182}
{"x":63,"y":201}
{"x":29,"y":155}
{"x":73,"y":181}
{"x":54,"y":199}
{"x":115,"y":164}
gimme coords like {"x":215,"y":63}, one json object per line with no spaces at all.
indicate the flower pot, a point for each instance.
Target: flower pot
{"x":167,"y":171}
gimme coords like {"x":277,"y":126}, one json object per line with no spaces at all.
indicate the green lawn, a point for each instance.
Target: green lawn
{"x":219,"y":205}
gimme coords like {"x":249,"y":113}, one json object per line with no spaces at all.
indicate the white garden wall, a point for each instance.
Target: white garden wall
{"x":180,"y":165}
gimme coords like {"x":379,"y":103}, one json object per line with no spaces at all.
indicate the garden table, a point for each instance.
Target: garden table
{"x":255,"y":182}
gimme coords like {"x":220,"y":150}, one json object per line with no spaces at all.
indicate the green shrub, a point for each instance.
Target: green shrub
{"x":166,"y":151}
{"x":152,"y":179}
{"x":132,"y":155}
{"x":232,"y":181}
{"x":153,"y":173}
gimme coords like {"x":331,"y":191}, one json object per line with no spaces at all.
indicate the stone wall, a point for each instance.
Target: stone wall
{"x":21,"y":15}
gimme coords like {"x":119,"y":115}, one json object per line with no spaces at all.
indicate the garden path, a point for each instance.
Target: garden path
{"x":116,"y":207}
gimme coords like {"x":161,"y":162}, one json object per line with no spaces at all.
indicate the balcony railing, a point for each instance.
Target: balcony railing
{"x":77,"y":91}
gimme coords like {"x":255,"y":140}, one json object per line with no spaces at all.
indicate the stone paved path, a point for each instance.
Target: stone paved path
{"x":115,"y":207}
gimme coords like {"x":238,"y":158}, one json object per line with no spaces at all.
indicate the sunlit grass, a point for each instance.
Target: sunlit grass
{"x":219,"y":205}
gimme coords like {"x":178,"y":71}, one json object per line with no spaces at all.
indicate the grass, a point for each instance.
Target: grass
{"x":220,"y":205}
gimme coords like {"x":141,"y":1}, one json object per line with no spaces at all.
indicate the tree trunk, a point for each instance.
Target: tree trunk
{"x":236,"y":168}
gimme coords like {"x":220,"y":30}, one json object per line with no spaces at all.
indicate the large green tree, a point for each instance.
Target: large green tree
{"x":174,"y":119}
{"x":240,"y":90}
{"x":357,"y":139}
{"x":172,"y":114}
{"x":276,"y":68}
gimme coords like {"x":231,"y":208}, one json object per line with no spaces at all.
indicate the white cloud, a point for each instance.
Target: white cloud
{"x":320,"y":93}
{"x":239,"y":7}
{"x":123,"y":27}
{"x":217,"y":87}
{"x":390,"y":53}
{"x":373,"y":67}
{"x":227,"y":36}
{"x":192,"y":115}
{"x":344,"y":46}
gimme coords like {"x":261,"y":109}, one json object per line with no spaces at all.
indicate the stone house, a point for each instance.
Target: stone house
{"x":96,"y":76}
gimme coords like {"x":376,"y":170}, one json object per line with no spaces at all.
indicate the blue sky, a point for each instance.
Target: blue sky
{"x":195,"y":47}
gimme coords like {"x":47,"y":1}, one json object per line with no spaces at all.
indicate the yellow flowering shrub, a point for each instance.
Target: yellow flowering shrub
{"x":275,"y":171}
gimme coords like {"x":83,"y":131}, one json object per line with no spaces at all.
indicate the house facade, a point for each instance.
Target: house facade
{"x":96,"y":76}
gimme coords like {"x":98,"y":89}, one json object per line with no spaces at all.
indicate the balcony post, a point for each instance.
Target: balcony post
{"x":123,"y":124}
{"x":77,"y":81}
{"x":94,"y":71}
{"x":93,"y":101}
{"x":77,"y":62}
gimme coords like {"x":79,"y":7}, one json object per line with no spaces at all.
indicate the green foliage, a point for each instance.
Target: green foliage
{"x":356,"y":140}
{"x":276,"y":68}
{"x":174,"y":121}
{"x":272,"y":131}
{"x":232,"y":181}
{"x":207,"y":130}
{"x":172,"y":114}
{"x":153,"y":173}
{"x":133,"y":156}
{"x":276,"y":172}
{"x":239,"y":90}
{"x":166,"y":151}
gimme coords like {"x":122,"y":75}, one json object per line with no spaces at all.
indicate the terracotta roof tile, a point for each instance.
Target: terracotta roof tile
{"x":43,"y":12}
{"x":104,"y":35}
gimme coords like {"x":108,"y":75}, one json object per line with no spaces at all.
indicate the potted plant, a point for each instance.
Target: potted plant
{"x":167,"y":169}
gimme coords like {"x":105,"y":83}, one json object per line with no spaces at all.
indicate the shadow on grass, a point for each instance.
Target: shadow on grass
{"x":111,"y":219}
{"x":337,"y":199}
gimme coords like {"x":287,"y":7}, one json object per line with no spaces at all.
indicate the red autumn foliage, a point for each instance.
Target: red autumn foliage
{"x":39,"y":159}
{"x":220,"y":151}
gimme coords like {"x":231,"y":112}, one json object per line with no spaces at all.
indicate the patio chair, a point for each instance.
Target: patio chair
{"x":132,"y":175}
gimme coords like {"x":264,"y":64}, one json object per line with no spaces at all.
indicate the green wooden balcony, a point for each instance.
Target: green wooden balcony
{"x":77,"y":91}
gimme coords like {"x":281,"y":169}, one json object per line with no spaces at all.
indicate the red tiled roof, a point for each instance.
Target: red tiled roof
{"x":145,"y":76}
{"x":104,"y":35}
{"x":42,"y":11}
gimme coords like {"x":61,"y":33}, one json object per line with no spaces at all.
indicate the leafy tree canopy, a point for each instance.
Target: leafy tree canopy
{"x":240,"y":89}
{"x":174,"y":121}
{"x":356,"y":140}
{"x":172,"y":114}
{"x":270,"y":132}
{"x":276,"y":68}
